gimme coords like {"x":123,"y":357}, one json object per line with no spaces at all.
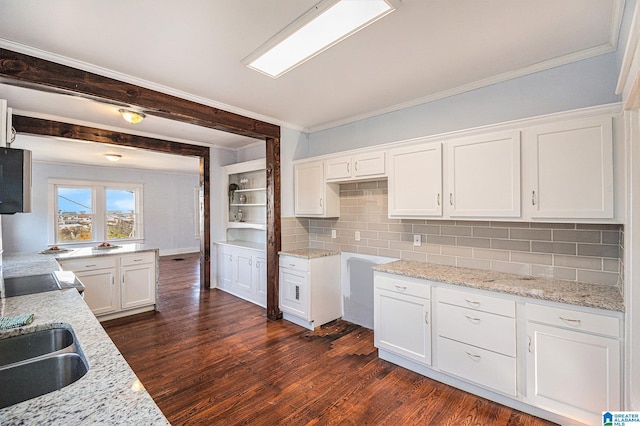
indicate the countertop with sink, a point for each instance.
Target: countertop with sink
{"x":109,"y":393}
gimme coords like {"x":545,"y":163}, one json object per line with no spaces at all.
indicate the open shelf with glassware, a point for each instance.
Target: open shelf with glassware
{"x":247,"y":198}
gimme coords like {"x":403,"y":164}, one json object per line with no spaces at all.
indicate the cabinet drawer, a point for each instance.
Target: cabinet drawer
{"x":583,"y":321}
{"x":89,"y":264}
{"x":138,"y":259}
{"x":292,"y":262}
{"x":404,"y":285}
{"x":480,"y":302}
{"x":489,"y":331}
{"x":486,"y":368}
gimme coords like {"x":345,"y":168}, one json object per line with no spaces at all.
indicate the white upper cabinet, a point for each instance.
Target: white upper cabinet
{"x":570,"y":169}
{"x":313,"y":196}
{"x":359,"y":166}
{"x":415,"y":181}
{"x":483,"y":176}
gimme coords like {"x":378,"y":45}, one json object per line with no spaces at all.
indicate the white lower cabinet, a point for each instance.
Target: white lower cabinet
{"x":477,"y":339}
{"x":100,"y":294}
{"x":117,"y":285}
{"x":573,"y":362}
{"x":242,"y":272}
{"x":401,"y":317}
{"x":138,"y":281}
{"x":310,"y":294}
{"x":552,"y":360}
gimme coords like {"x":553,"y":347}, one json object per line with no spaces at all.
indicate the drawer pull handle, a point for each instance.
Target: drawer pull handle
{"x":293,"y":265}
{"x":571,"y":321}
{"x":474,"y":357}
{"x":451,"y":198}
{"x":138,"y":260}
{"x":426,"y":317}
{"x":472,"y":303}
{"x":533,"y":198}
{"x":472,"y":319}
{"x":401,"y":287}
{"x":90,"y":266}
{"x":438,"y":198}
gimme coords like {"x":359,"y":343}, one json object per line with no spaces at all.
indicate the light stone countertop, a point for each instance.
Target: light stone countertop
{"x":244,"y":244}
{"x":22,"y":264}
{"x":570,"y":292}
{"x":109,"y":394}
{"x":309,"y":253}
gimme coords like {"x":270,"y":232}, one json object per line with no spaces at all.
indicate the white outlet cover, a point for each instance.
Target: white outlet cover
{"x":417,"y":240}
{"x":357,"y":235}
{"x":333,"y":233}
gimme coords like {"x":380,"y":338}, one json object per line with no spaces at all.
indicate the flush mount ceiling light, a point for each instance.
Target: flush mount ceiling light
{"x":326,"y":24}
{"x":132,"y":116}
{"x":113,"y":157}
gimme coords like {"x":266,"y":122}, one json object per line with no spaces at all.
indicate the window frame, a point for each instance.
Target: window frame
{"x":99,"y":224}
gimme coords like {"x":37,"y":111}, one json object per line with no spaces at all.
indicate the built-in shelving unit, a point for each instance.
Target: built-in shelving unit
{"x":247,"y":203}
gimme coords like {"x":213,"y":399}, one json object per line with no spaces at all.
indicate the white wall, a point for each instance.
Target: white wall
{"x":169,"y":217}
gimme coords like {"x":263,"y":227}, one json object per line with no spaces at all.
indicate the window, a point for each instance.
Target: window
{"x":84,"y":211}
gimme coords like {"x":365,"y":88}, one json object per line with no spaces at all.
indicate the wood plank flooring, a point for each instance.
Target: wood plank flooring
{"x":210,"y":358}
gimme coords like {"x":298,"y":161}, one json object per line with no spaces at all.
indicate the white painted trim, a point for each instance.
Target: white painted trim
{"x":85,"y":66}
{"x":629,"y":53}
{"x":114,"y":167}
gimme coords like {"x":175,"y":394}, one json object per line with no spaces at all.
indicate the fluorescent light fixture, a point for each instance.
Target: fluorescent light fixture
{"x":326,"y":24}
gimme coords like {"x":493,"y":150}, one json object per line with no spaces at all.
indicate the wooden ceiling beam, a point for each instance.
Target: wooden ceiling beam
{"x":28,"y":71}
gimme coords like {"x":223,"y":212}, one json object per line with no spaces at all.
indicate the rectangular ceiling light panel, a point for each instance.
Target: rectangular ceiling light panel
{"x":314,"y":32}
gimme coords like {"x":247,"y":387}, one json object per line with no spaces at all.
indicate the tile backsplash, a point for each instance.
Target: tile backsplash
{"x":568,"y":251}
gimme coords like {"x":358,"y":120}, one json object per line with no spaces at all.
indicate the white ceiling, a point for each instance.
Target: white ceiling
{"x":425,"y":50}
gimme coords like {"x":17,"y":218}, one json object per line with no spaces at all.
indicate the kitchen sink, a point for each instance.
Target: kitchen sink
{"x":37,"y":363}
{"x":26,"y":380}
{"x":31,"y":345}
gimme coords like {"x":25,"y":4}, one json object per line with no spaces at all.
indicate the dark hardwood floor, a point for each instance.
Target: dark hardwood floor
{"x":210,"y":358}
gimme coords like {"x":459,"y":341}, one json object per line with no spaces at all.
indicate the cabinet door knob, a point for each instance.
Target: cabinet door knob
{"x":426,"y":317}
{"x":356,"y":166}
{"x":530,"y":345}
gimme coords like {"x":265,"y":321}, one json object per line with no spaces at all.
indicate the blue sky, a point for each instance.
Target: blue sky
{"x":79,"y":200}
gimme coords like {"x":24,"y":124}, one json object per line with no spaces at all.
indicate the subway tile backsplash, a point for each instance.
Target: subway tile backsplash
{"x":582,"y":252}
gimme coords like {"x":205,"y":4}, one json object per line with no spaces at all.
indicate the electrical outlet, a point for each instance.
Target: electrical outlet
{"x":417,"y":240}
{"x":357,"y":235}
{"x":333,"y":233}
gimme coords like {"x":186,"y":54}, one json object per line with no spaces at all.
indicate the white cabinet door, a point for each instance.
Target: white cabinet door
{"x":225,"y":267}
{"x":368,"y":165}
{"x":260,"y":278}
{"x":415,"y":181}
{"x":402,"y":325}
{"x":313,"y":196}
{"x":571,"y":373}
{"x":483,"y":178}
{"x":571,"y":169}
{"x":294,"y":293}
{"x":244,"y":273}
{"x":138,"y":285}
{"x":364,"y":165}
{"x":337,"y":168}
{"x":101,"y":290}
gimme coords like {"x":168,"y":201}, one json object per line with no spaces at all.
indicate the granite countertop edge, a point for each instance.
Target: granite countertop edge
{"x":570,"y":292}
{"x":309,"y":253}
